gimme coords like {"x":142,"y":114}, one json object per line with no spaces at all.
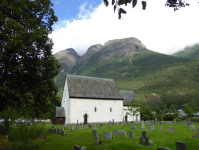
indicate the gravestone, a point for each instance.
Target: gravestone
{"x":170,"y":122}
{"x":96,"y":139}
{"x":49,"y":130}
{"x":90,"y":126}
{"x":94,"y":133}
{"x":62,"y":133}
{"x":161,"y":127}
{"x":143,"y":126}
{"x":55,"y":131}
{"x":117,"y":132}
{"x":170,"y":129}
{"x":117,"y":123}
{"x":110,"y":124}
{"x":100,"y":126}
{"x":62,"y":127}
{"x":196,"y":135}
{"x":58,"y":130}
{"x":68,"y":126}
{"x":52,"y":126}
{"x":192,"y":128}
{"x":122,"y":124}
{"x":146,"y":141}
{"x":136,"y":119}
{"x":144,"y":134}
{"x":42,"y":136}
{"x":141,"y":141}
{"x":189,"y":123}
{"x":72,"y":128}
{"x":123,"y":133}
{"x":131,"y":134}
{"x":108,"y":135}
{"x":181,"y":146}
{"x":133,"y":126}
{"x":160,"y":122}
{"x":78,"y":127}
{"x":163,"y":148}
{"x":151,"y":127}
{"x":77,"y":147}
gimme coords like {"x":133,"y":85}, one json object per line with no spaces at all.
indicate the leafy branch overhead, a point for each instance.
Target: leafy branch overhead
{"x":176,"y":4}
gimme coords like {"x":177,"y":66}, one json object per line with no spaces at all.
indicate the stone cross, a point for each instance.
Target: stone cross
{"x":96,"y":139}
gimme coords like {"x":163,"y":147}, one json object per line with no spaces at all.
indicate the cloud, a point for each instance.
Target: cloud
{"x":158,"y":27}
{"x":57,"y":2}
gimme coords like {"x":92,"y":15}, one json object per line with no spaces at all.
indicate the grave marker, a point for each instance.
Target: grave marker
{"x":94,"y":133}
{"x":181,"y":146}
{"x":170,"y":129}
{"x":72,"y":128}
{"x":96,"y":139}
{"x":196,"y":135}
{"x":151,"y":127}
{"x":123,"y":133}
{"x":161,"y":127}
{"x":108,"y":135}
{"x":62,"y":133}
{"x":117,"y":132}
{"x":76,"y":147}
{"x":131,"y":134}
{"x":133,"y":126}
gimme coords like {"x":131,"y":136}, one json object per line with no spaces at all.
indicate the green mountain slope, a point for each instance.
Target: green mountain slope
{"x":189,"y":52}
{"x":156,"y":79}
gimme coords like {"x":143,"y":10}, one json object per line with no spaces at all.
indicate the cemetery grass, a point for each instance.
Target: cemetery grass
{"x":83,"y":137}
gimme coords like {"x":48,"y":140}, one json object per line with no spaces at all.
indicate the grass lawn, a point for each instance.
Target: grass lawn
{"x":160,"y":138}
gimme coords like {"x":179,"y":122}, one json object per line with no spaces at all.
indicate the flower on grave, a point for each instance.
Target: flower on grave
{"x":112,"y":137}
{"x":65,"y":134}
{"x":59,"y":133}
{"x":100,"y":141}
{"x":123,"y":126}
{"x":45,"y":137}
{"x":163,"y":128}
{"x":83,"y":148}
{"x":151,"y":142}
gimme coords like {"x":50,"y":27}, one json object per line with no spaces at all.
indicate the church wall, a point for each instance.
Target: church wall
{"x":129,"y":117}
{"x":65,"y":101}
{"x":80,"y":107}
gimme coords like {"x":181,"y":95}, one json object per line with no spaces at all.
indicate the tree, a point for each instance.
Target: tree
{"x":147,"y":113}
{"x":159,"y":114}
{"x":133,"y":108}
{"x":117,"y":3}
{"x":27,"y":66}
{"x":172,"y":107}
{"x":188,"y":111}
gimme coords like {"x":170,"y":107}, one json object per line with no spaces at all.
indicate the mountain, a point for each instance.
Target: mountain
{"x":189,"y":52}
{"x":67,"y":58}
{"x":156,"y":79}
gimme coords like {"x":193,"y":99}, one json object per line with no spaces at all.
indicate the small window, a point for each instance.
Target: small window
{"x":95,"y":109}
{"x":60,"y":119}
{"x":110,"y":109}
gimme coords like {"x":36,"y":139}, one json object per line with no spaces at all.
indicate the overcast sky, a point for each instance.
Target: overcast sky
{"x":82,"y":23}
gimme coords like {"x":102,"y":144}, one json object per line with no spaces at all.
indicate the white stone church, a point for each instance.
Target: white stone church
{"x":94,"y":100}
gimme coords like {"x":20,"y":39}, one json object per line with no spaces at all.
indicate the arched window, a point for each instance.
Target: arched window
{"x":110,"y":109}
{"x":95,"y":109}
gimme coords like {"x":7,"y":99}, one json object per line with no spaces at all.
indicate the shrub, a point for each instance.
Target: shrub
{"x":169,"y":117}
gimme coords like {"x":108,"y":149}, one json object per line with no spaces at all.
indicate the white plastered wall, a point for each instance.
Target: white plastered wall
{"x":80,"y":107}
{"x":65,"y":102}
{"x":129,"y":117}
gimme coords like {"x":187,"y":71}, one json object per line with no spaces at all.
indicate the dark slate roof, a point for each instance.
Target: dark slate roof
{"x":91,"y":87}
{"x":128,"y":97}
{"x":59,"y":112}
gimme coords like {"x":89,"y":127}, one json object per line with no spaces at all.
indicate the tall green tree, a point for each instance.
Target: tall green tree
{"x":133,"y":108}
{"x":27,"y":66}
{"x":159,"y":114}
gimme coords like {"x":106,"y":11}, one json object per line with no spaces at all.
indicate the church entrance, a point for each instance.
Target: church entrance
{"x":85,"y":119}
{"x":125,"y":118}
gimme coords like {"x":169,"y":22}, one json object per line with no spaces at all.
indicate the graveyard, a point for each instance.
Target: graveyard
{"x":158,"y":136}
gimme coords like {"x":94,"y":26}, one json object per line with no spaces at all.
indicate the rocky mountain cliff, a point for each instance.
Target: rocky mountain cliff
{"x":67,"y":58}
